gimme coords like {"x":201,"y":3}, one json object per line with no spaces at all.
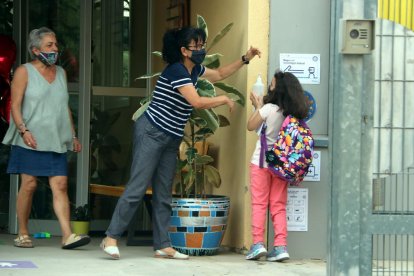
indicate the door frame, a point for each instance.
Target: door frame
{"x":84,"y":107}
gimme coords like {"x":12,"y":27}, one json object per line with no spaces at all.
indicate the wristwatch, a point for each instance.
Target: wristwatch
{"x":244,"y":60}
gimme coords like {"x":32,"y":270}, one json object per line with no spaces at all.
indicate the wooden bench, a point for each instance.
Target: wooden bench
{"x":116,"y":191}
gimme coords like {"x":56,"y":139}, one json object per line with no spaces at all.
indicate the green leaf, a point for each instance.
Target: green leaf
{"x":233,"y":97}
{"x":231,"y":89}
{"x":181,"y":164}
{"x":223,"y":121}
{"x":140,"y":111}
{"x":210,"y":117}
{"x":212,"y":61}
{"x":189,"y":179}
{"x":212,"y":176}
{"x":191,"y":154}
{"x":205,"y":88}
{"x":203,"y":159}
{"x":144,"y":101}
{"x":157,"y":53}
{"x":213,"y":65}
{"x":148,"y":76}
{"x":203,"y":131}
{"x":220,"y":35}
{"x":199,"y":122}
{"x":201,"y":23}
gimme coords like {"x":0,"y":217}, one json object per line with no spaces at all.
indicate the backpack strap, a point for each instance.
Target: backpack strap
{"x":263,"y":144}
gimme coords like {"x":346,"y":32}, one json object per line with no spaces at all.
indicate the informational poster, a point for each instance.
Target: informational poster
{"x":314,"y":172}
{"x":306,"y":67}
{"x":297,"y":209}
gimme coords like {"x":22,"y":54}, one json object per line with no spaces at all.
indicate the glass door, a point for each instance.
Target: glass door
{"x":119,"y":55}
{"x":103,"y":48}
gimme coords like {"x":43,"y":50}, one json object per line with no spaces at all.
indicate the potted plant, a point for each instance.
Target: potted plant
{"x":198,"y":220}
{"x":80,"y":220}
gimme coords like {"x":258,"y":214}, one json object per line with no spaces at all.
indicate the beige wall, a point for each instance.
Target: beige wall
{"x":233,"y":144}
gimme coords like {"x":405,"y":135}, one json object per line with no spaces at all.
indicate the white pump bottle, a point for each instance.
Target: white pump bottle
{"x":258,"y":87}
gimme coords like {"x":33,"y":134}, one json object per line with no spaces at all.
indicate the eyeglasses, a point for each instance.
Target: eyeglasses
{"x":196,"y":47}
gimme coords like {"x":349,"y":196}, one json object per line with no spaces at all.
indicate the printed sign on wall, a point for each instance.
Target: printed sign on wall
{"x":306,"y":67}
{"x":297,"y":209}
{"x":314,"y":172}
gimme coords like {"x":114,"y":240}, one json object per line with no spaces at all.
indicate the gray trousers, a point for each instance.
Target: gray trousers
{"x":154,"y":163}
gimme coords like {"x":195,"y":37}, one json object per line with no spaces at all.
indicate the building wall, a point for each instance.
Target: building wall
{"x":307,"y":34}
{"x":233,"y":145}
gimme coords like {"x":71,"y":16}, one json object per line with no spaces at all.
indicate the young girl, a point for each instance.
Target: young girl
{"x":285,"y":96}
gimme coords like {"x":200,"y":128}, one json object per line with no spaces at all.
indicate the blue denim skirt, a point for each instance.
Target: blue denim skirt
{"x":37,"y":163}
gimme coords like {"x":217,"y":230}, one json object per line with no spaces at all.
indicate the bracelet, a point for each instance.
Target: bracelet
{"x":23,"y":132}
{"x":245,"y":60}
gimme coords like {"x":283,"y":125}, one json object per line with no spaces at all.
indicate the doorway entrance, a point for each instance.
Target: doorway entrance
{"x":102,"y":49}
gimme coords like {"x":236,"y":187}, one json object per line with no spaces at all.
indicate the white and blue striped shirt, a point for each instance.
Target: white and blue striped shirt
{"x":169,"y":110}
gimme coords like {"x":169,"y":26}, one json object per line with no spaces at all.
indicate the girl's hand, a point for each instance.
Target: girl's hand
{"x":77,"y":147}
{"x":257,"y":101}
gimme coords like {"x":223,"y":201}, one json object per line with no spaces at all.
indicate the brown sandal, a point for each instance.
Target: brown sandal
{"x":23,"y":241}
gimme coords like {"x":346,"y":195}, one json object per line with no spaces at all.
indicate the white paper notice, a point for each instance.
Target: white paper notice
{"x":297,"y":209}
{"x":306,"y":67}
{"x":314,"y":172}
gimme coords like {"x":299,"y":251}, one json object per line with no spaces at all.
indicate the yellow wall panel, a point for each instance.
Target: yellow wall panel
{"x":399,"y":11}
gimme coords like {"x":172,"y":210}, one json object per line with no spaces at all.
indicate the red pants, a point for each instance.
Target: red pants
{"x":267,"y":190}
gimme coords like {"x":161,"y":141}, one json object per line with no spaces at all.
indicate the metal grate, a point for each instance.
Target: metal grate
{"x":393,"y":156}
{"x":393,"y":166}
{"x":393,"y":255}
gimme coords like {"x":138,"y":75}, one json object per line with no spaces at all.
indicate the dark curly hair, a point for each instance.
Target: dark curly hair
{"x":174,"y":39}
{"x":288,"y":95}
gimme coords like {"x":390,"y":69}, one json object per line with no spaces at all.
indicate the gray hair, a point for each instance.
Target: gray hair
{"x":35,"y":39}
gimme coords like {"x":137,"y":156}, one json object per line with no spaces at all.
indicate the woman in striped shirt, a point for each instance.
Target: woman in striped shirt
{"x":158,"y":134}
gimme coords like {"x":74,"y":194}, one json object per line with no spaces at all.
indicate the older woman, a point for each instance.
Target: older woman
{"x":40,"y":134}
{"x":157,"y":134}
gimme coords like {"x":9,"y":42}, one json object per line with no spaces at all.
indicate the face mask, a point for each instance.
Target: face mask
{"x":197,"y":56}
{"x":48,"y":59}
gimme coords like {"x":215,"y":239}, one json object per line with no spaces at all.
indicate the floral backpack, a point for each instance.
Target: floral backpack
{"x":291,"y":154}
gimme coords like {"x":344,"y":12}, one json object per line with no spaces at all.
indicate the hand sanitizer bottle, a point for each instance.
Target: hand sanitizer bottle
{"x":258,"y":87}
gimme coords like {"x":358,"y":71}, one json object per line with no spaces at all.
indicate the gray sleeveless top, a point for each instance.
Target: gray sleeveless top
{"x":45,"y":112}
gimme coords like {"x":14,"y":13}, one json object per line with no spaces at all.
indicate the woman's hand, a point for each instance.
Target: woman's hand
{"x":252,"y":52}
{"x":77,"y":146}
{"x":230,"y":104}
{"x":223,"y":72}
{"x":29,"y":140}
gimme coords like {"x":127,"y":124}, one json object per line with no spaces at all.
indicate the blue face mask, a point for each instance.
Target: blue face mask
{"x":197,"y":56}
{"x":48,"y":59}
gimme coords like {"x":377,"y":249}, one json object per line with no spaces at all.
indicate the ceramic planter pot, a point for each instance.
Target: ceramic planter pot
{"x":197,"y":225}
